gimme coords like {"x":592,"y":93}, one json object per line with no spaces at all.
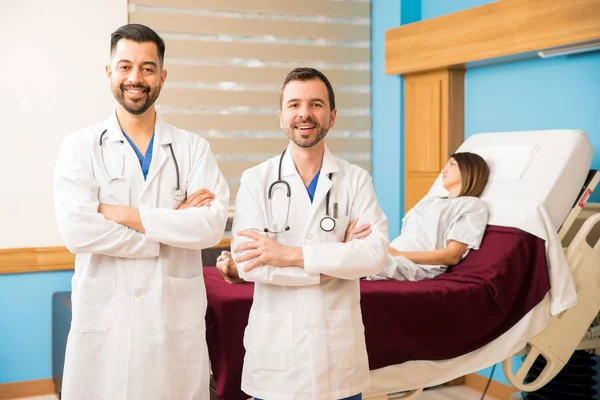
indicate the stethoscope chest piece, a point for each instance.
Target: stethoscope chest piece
{"x":327,"y":224}
{"x":178,"y":194}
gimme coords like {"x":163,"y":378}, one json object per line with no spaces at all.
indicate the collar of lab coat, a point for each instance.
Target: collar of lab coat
{"x":162,"y":135}
{"x":288,"y":167}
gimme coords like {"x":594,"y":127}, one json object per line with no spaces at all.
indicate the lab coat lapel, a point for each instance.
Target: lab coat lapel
{"x":160,"y":152}
{"x":115,"y":159}
{"x":324,"y":185}
{"x":300,"y":202}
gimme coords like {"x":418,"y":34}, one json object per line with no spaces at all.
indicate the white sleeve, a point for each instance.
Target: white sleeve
{"x":469,"y":223}
{"x":193,"y":228}
{"x":249,"y":215}
{"x":358,"y":258}
{"x":76,"y":202}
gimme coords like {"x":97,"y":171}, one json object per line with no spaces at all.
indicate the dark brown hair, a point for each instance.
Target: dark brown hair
{"x":140,"y":34}
{"x":474,"y":172}
{"x":307,"y":74}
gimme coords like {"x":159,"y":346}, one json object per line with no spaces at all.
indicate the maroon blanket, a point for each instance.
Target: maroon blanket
{"x":453,"y":314}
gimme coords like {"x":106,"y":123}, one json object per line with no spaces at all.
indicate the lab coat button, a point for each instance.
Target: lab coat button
{"x":309,"y":236}
{"x":313,"y":330}
{"x":137,"y":292}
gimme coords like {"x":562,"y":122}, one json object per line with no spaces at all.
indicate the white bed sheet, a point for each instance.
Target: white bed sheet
{"x":546,"y":170}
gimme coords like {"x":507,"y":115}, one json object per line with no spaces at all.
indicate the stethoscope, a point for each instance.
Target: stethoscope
{"x":327,"y":223}
{"x":176,"y":193}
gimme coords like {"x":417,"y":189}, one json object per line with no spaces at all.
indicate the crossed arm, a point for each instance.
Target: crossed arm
{"x":229,"y":269}
{"x":130,"y":216}
{"x":90,"y":227}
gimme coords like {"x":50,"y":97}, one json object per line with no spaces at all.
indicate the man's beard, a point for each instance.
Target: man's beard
{"x":133,"y":106}
{"x":308,"y":142}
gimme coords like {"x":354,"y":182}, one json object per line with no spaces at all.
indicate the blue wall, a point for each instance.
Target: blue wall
{"x":561,"y":92}
{"x":387,"y":136}
{"x":26,"y":324}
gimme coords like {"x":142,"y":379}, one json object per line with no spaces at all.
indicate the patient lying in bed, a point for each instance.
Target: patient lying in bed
{"x":438,"y":232}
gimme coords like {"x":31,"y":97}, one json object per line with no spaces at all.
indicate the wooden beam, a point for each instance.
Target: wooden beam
{"x":46,"y":259}
{"x":500,"y":29}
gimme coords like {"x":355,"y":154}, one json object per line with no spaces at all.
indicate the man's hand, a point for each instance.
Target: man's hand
{"x":128,"y":216}
{"x":357,"y":232}
{"x":262,"y":250}
{"x":200,"y":198}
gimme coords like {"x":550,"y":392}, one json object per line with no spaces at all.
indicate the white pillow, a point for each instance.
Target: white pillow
{"x":507,"y":162}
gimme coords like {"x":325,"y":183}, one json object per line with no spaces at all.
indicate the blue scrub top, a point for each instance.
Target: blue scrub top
{"x":312,"y":186}
{"x":144,"y":161}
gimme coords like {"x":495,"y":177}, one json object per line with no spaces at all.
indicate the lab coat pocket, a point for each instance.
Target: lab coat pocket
{"x":185,"y":304}
{"x":270,"y":340}
{"x":347,"y":338}
{"x":93,"y":301}
{"x":341,"y":224}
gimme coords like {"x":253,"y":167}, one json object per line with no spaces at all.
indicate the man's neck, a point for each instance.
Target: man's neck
{"x":308,"y":161}
{"x":137,"y":126}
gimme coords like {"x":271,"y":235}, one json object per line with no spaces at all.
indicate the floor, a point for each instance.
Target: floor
{"x":442,"y":393}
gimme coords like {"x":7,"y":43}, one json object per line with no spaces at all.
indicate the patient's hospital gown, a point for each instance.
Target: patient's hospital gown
{"x":429,"y":226}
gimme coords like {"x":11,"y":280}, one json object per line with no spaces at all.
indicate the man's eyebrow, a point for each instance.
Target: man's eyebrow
{"x":144,"y":63}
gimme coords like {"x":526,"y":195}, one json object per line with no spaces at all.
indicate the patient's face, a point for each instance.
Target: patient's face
{"x":451,"y":177}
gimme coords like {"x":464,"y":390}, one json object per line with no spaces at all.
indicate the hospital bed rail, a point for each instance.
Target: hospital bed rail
{"x":565,"y":332}
{"x":563,"y":335}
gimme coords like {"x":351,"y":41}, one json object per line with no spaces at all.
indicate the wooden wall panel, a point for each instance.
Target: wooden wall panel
{"x":434,"y":127}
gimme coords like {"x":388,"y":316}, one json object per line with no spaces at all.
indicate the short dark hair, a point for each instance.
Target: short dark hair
{"x":307,"y":74}
{"x":474,"y":172}
{"x":140,"y":34}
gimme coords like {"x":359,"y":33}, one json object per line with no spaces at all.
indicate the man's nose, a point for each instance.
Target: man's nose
{"x":304,"y":111}
{"x":135,"y":75}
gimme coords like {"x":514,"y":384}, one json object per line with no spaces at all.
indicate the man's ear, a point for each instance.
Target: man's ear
{"x":281,"y":120}
{"x":163,"y":78}
{"x":332,"y":119}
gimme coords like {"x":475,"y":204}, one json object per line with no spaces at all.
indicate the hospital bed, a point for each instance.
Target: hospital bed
{"x":521,"y":290}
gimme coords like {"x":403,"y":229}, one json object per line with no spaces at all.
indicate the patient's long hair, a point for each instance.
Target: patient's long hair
{"x":474,"y":171}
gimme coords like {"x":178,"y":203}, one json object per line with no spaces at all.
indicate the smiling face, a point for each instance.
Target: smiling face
{"x":136,"y":75}
{"x":306,"y":114}
{"x":451,"y":176}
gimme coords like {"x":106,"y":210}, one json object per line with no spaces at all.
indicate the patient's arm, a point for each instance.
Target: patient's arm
{"x":451,"y":255}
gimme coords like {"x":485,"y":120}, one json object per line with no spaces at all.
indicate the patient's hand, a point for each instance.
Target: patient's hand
{"x":228,"y":268}
{"x":357,"y":232}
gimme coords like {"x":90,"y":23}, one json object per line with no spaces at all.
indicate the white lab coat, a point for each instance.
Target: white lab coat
{"x":305,"y":337}
{"x":139,"y":300}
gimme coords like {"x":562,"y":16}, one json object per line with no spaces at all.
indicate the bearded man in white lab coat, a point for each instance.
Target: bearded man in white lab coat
{"x":138,"y":296}
{"x":305,"y":336}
